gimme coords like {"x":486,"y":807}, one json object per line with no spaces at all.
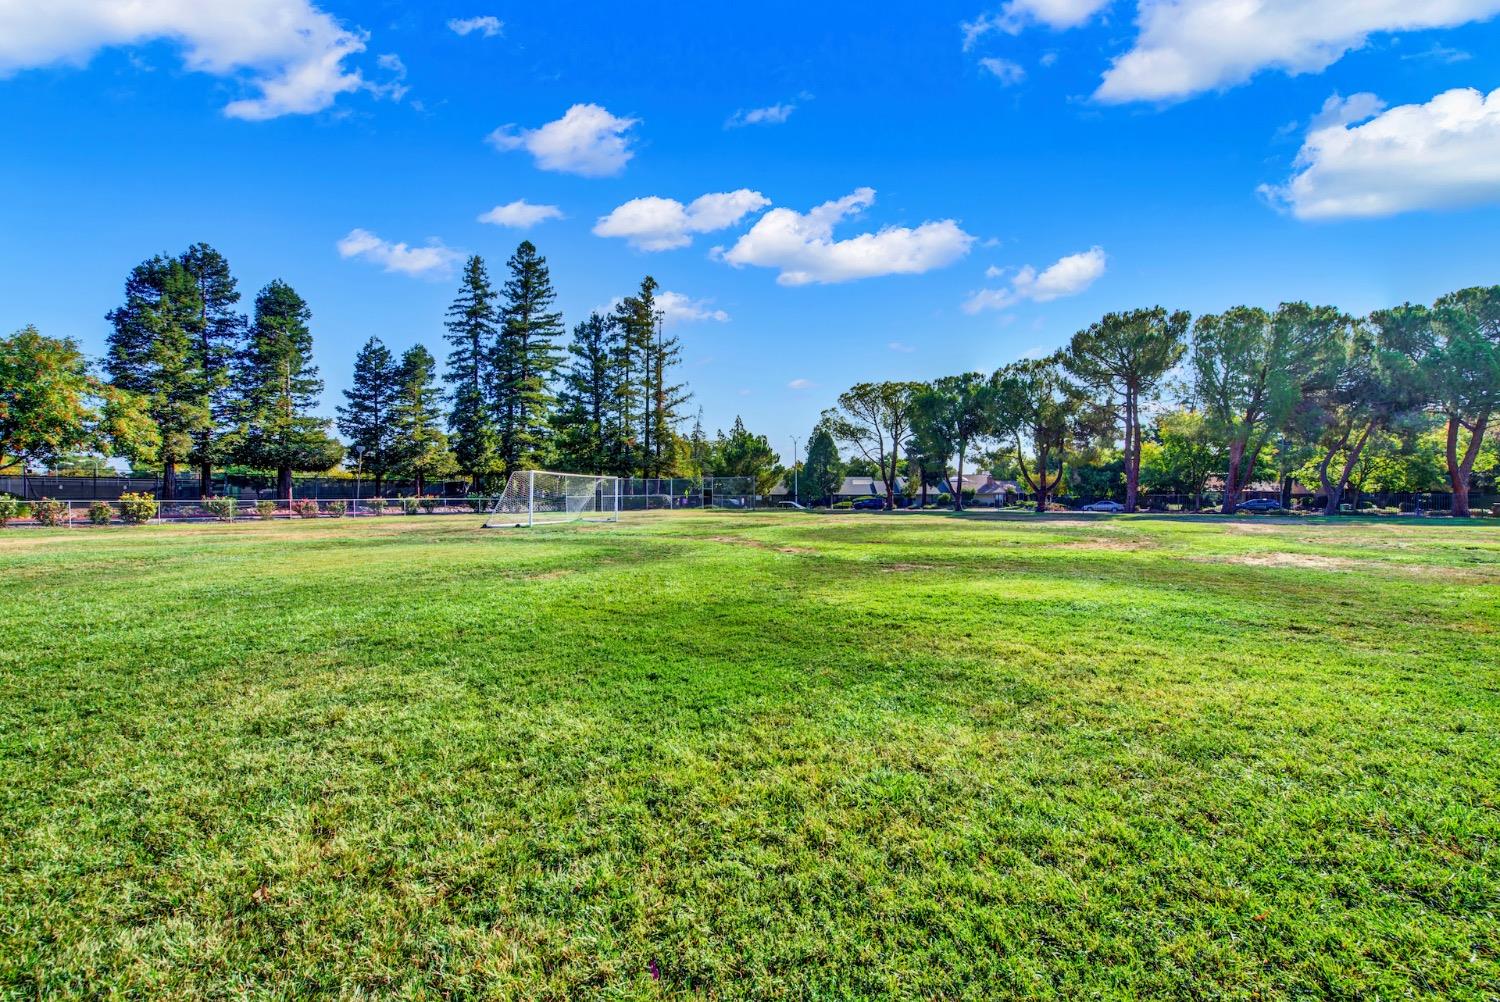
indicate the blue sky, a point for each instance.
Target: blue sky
{"x":996,"y":175}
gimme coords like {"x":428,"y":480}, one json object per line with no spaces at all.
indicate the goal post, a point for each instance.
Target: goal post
{"x":541,"y":497}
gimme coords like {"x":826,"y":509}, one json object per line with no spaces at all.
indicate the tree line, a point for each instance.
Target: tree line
{"x":193,"y":382}
{"x":1300,"y":390}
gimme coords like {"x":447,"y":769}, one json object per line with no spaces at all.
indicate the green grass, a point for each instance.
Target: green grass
{"x":769,"y":756}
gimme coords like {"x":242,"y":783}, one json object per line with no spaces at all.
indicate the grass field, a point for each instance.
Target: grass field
{"x":751,"y":756}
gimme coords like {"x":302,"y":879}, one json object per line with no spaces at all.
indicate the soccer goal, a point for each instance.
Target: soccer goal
{"x":539,"y":497}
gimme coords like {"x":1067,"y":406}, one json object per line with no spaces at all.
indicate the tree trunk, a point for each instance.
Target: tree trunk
{"x":1132,"y":452}
{"x":205,"y":480}
{"x":379,"y":481}
{"x":419,"y":483}
{"x":958,"y":495}
{"x":169,"y":480}
{"x":284,"y":483}
{"x":1459,"y":468}
{"x":1232,"y":478}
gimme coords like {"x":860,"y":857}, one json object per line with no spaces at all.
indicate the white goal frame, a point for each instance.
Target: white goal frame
{"x":543,"y":497}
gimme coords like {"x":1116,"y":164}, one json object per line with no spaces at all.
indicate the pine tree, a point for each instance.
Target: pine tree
{"x":667,"y":400}
{"x":635,"y":316}
{"x":419,"y":448}
{"x":219,"y":333}
{"x":152,"y":353}
{"x":649,"y":404}
{"x":279,"y":387}
{"x":472,"y":333}
{"x":587,"y":433}
{"x":525,"y":359}
{"x":366,"y":419}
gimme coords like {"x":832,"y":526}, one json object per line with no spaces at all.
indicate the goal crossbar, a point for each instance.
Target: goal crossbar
{"x":542,"y":497}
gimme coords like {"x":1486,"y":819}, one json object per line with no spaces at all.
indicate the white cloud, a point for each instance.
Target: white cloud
{"x":1067,"y":277}
{"x":520,"y":214}
{"x":993,"y":272}
{"x":677,"y":308}
{"x":801,"y":384}
{"x":487,"y":25}
{"x":587,"y":140}
{"x":1440,"y":155}
{"x":802,"y":247}
{"x":432,"y":260}
{"x":657,"y":224}
{"x":1017,"y":14}
{"x":1185,"y":47}
{"x":773,"y":115}
{"x":900,"y":346}
{"x":1007,"y":72}
{"x":288,"y":51}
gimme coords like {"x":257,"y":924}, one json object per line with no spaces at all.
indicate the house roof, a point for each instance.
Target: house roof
{"x":983,"y":484}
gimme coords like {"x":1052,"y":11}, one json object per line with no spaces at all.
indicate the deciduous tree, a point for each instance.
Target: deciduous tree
{"x":874,"y":419}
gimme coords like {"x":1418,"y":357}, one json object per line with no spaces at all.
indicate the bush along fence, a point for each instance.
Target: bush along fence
{"x":141,"y":508}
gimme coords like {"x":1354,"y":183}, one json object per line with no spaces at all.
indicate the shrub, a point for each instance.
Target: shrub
{"x":475,"y":502}
{"x":337,"y":508}
{"x":49,"y":512}
{"x":306,"y":508}
{"x":429,"y":503}
{"x":843,"y":504}
{"x":375,"y":506}
{"x":221,"y":508}
{"x":10,"y":508}
{"x":265,"y":509}
{"x":136,"y":509}
{"x":410,"y":505}
{"x":945,"y":498}
{"x":100,"y":513}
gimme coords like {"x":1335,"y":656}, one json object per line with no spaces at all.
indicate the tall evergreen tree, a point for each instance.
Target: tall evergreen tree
{"x":219,"y":334}
{"x":419,"y":448}
{"x":152,"y":354}
{"x":472,"y":332}
{"x":279,"y":387}
{"x":366,"y":419}
{"x":650,"y":404}
{"x":587,"y":435}
{"x":525,"y":359}
{"x":635,"y":316}
{"x":822,"y":473}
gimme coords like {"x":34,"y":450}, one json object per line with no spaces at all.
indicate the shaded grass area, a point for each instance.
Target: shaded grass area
{"x":759,"y":756}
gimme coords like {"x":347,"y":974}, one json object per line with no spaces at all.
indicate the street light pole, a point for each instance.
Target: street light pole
{"x":359,"y":473}
{"x":796,"y":487}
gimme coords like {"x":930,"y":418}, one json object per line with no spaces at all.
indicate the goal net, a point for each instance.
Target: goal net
{"x":539,"y":497}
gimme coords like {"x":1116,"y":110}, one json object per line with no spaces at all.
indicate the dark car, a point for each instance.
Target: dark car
{"x":1261,"y":505}
{"x":870,"y":504}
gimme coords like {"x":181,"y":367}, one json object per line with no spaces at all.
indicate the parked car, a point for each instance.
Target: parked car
{"x":870,"y":504}
{"x":1261,"y":505}
{"x":1113,"y":507}
{"x":791,"y":504}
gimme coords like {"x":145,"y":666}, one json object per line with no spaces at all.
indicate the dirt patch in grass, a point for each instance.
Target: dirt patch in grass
{"x":756,"y":544}
{"x":902,"y":568}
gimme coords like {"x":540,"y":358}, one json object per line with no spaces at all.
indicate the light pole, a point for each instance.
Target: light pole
{"x":796,"y":492}
{"x":359,"y":473}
